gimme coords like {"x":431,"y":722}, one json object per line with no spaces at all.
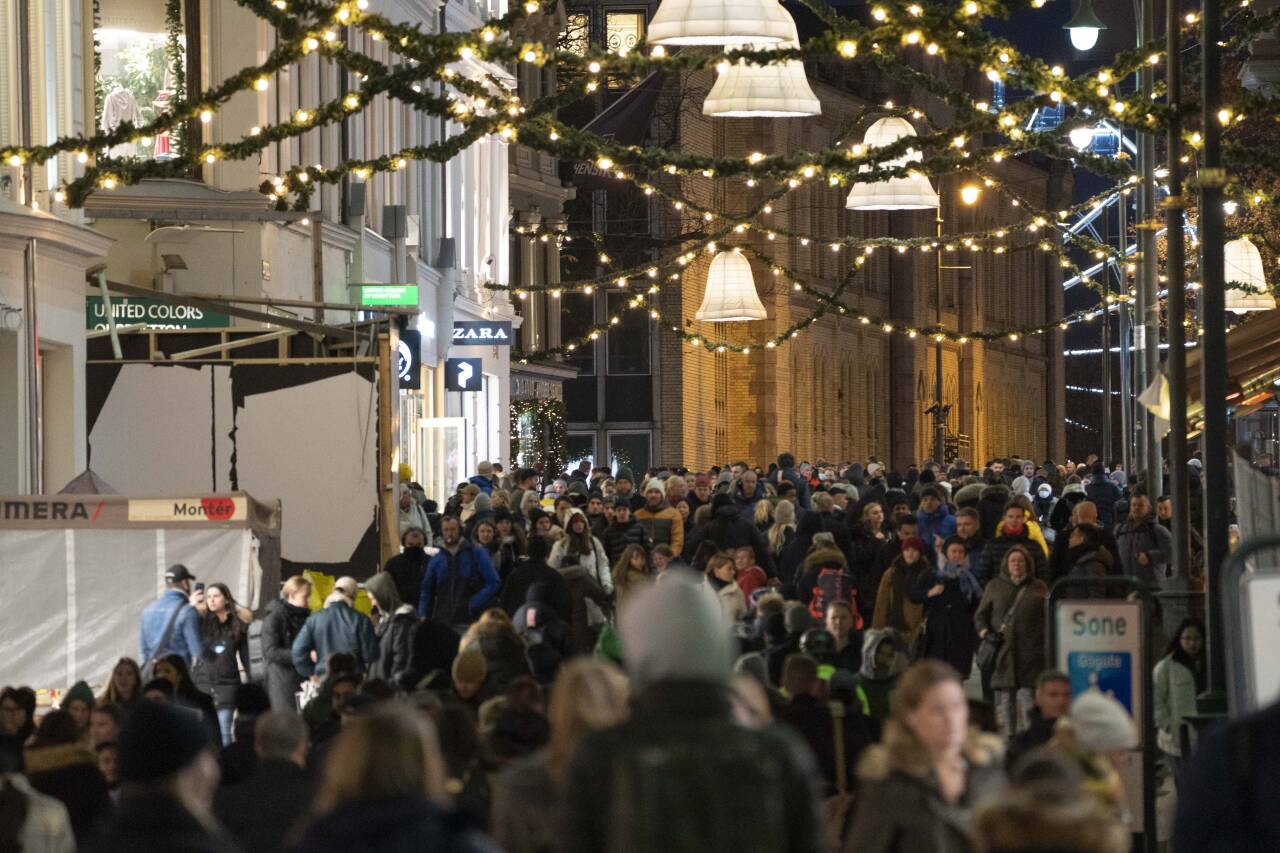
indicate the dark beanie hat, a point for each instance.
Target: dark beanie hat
{"x":158,"y":740}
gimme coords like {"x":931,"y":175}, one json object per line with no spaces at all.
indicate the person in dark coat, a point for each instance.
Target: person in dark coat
{"x":950,"y":595}
{"x":224,"y":630}
{"x":1104,"y":493}
{"x":1084,"y":556}
{"x":339,"y":627}
{"x":918,"y":787}
{"x":409,"y":567}
{"x":1084,"y":515}
{"x":548,"y":638}
{"x":867,"y":533}
{"x":728,"y":530}
{"x":460,"y":581}
{"x":786,"y":470}
{"x":394,"y":631}
{"x":1013,"y":531}
{"x":682,"y":745}
{"x":280,"y":627}
{"x":263,"y":809}
{"x":515,"y":591}
{"x":171,"y":777}
{"x":904,"y":528}
{"x":1013,"y":604}
{"x":589,"y":604}
{"x":809,"y":715}
{"x":59,"y":766}
{"x":991,"y":505}
{"x":1072,"y":493}
{"x":622,"y":531}
{"x":383,"y":791}
{"x":791,"y":561}
{"x":1053,"y":701}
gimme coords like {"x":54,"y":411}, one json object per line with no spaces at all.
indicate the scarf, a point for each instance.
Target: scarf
{"x":960,"y":571}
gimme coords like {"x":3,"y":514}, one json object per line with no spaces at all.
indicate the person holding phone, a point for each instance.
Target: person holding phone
{"x":170,"y":625}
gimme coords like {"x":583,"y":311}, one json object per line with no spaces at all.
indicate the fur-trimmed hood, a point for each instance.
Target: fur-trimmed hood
{"x":899,"y":752}
{"x":44,"y":758}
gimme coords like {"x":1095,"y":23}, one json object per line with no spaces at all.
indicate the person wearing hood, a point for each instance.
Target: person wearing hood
{"x":682,"y":745}
{"x":1012,"y":606}
{"x":579,"y":548}
{"x":411,"y":514}
{"x":1060,"y":516}
{"x":409,"y":566}
{"x":78,"y":702}
{"x":396,"y":625}
{"x":1104,"y":493}
{"x":624,"y":484}
{"x":662,"y":523}
{"x":883,"y":661}
{"x":280,"y":627}
{"x":1042,"y":504}
{"x":934,"y":521}
{"x":1012,"y":530}
{"x":919,"y":786}
{"x":791,"y":561}
{"x":729,"y":530}
{"x":460,"y":581}
{"x":338,"y":627}
{"x":515,"y":591}
{"x":992,"y":503}
{"x":894,"y":606}
{"x":949,"y":594}
{"x":484,"y":477}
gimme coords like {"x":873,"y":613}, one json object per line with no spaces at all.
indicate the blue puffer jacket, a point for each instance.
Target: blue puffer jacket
{"x":457,"y":587}
{"x":940,"y":522}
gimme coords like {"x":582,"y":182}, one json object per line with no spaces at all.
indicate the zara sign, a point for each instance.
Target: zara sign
{"x":495,"y":333}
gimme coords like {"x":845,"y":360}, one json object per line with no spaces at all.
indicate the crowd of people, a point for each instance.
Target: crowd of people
{"x":737,"y":659}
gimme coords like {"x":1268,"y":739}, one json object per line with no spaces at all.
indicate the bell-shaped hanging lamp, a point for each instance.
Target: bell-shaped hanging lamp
{"x":1242,"y":264}
{"x":731,"y":291}
{"x":777,"y":90}
{"x":720,"y":22}
{"x":913,"y":192}
{"x":1084,"y":26}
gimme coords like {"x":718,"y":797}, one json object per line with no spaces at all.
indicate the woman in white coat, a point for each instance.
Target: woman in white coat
{"x":579,"y":548}
{"x":1179,"y":677}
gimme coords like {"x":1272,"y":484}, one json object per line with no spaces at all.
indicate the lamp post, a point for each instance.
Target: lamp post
{"x":1084,"y":26}
{"x":969,"y":195}
{"x":1147,"y":328}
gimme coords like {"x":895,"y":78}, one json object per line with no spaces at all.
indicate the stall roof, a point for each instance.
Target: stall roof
{"x":106,"y":511}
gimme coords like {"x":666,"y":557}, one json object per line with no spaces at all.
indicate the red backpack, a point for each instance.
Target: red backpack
{"x":834,"y":584}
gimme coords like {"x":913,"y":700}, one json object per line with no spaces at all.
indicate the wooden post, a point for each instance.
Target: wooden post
{"x":388,"y":510}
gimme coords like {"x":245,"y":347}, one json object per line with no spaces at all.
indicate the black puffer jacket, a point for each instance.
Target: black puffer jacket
{"x":617,"y":537}
{"x":395,"y":647}
{"x":279,"y":629}
{"x":217,"y":671}
{"x":729,"y":530}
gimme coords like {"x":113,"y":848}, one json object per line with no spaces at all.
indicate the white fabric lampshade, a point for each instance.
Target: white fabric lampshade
{"x":720,"y":22}
{"x":731,"y":291}
{"x":777,"y":90}
{"x":1242,"y":264}
{"x":913,"y":192}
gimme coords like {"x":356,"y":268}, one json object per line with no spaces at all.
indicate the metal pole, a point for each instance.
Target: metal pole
{"x":1213,"y":441}
{"x":1175,"y":239}
{"x":939,"y":421}
{"x":1126,"y":358}
{"x":1106,"y":348}
{"x":31,"y":339}
{"x":1147,"y":329}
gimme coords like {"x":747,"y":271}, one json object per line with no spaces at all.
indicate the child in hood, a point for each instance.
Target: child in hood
{"x":883,"y":660}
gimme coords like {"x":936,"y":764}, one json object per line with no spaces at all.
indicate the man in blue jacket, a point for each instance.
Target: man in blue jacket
{"x":460,"y":580}
{"x":934,"y":519}
{"x":484,"y":477}
{"x":175,"y":605}
{"x":339,"y":627}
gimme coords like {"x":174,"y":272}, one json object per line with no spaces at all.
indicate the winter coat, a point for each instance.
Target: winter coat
{"x":663,"y":526}
{"x":991,"y":508}
{"x":801,"y":484}
{"x":900,"y":808}
{"x":408,"y":569}
{"x":949,"y":631}
{"x":339,"y":627}
{"x":396,"y":825}
{"x":583,"y":588}
{"x":680,"y":747}
{"x":458,"y":586}
{"x":1060,"y":515}
{"x":515,"y":592}
{"x":526,"y":806}
{"x":1174,"y":692}
{"x":1090,"y":562}
{"x":617,"y":537}
{"x":824,"y":558}
{"x":746,"y":504}
{"x":894,"y":609}
{"x":596,"y":564}
{"x":154,"y":821}
{"x":732,"y":603}
{"x":1063,"y":557}
{"x":1149,"y":537}
{"x":69,"y":773}
{"x":286,"y":787}
{"x":395,"y":647}
{"x":45,"y":827}
{"x":791,"y":562}
{"x":876,"y":685}
{"x":940,"y":522}
{"x":280,"y":627}
{"x":1038,"y":732}
{"x":993,"y":555}
{"x":1022,"y":655}
{"x":226,"y":648}
{"x":1104,"y":494}
{"x":184,"y":639}
{"x":729,"y":530}
{"x":811,"y":719}
{"x":504,"y":660}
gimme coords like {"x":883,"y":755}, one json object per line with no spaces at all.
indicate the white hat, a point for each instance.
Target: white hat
{"x":1101,"y":723}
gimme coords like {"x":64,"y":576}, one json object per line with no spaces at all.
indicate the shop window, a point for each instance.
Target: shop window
{"x":576,"y":319}
{"x":141,"y":70}
{"x":629,"y":339}
{"x":576,"y":37}
{"x":623,"y":31}
{"x":630,"y":449}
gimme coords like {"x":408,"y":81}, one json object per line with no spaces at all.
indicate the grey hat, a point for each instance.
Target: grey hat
{"x":1101,"y":723}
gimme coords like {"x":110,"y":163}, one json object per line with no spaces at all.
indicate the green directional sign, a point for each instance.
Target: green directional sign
{"x":153,"y":313}
{"x":391,"y":295}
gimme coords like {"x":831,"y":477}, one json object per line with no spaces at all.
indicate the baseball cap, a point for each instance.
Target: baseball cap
{"x":178,"y":572}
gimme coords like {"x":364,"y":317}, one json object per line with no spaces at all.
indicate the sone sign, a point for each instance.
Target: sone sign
{"x":1100,"y":645}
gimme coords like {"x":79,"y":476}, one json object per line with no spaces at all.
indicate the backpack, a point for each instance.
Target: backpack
{"x":834,"y":584}
{"x":257,"y":659}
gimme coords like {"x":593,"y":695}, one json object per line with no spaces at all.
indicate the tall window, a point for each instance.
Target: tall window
{"x":576,"y":319}
{"x":577,"y":33}
{"x":629,"y":340}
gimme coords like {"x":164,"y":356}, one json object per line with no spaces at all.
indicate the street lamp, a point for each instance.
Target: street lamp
{"x":730,"y":295}
{"x":1081,"y":137}
{"x":1084,"y":26}
{"x":721,"y":22}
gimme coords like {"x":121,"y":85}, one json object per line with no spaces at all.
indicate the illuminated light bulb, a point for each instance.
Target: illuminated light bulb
{"x":553,"y":136}
{"x":262,"y":84}
{"x":487,"y":36}
{"x":1057,"y":71}
{"x":1117,"y":107}
{"x":1224,"y":116}
{"x":1103,"y":91}
{"x":1013,"y":336}
{"x":531,"y":7}
{"x":595,"y":336}
{"x":362,"y":173}
{"x":376,"y":36}
{"x":912,"y":37}
{"x":1004,"y":56}
{"x":1230,"y":207}
{"x":848,"y":49}
{"x":808,"y":171}
{"x":330,"y":36}
{"x":604,"y":258}
{"x":835,"y":247}
{"x":344,"y":14}
{"x":604,"y":163}
{"x":969,"y":193}
{"x":621,"y":281}
{"x":302,"y":116}
{"x":931,"y":48}
{"x":993,"y":75}
{"x":210,"y":157}
{"x":592,"y":85}
{"x":911,"y":334}
{"x":879,"y":14}
{"x":206,"y":116}
{"x":466,"y":52}
{"x":108,"y":183}
{"x":351,"y":101}
{"x":280,"y":4}
{"x":658,"y":52}
{"x":1191,"y":17}
{"x":59,"y":196}
{"x":768,"y":208}
{"x":793,"y":183}
{"x":971,"y":8}
{"x":15,"y":160}
{"x":303,"y":177}
{"x":255,"y":130}
{"x":997,"y":156}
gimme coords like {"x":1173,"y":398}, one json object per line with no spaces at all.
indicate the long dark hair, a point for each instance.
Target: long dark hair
{"x":228,"y":629}
{"x":13,"y":803}
{"x":25,"y":698}
{"x":1175,"y":650}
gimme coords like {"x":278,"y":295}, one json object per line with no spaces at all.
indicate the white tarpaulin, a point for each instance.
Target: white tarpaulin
{"x":78,"y":571}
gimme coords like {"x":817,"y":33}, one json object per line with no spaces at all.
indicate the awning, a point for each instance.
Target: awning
{"x":1253,"y":363}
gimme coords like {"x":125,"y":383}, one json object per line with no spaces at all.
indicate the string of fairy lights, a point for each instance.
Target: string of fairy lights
{"x":899,"y":34}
